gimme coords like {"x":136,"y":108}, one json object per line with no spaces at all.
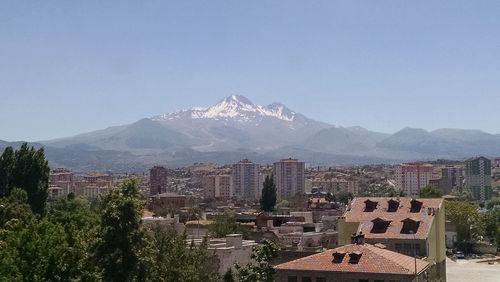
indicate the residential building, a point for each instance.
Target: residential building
{"x":337,"y":185}
{"x":218,"y":186}
{"x":452,"y":178}
{"x":246,"y":181}
{"x":478,"y":178}
{"x":157,"y":180}
{"x":404,"y":225}
{"x":354,"y":262}
{"x":289,"y":178}
{"x":160,"y":202}
{"x":411,"y":177}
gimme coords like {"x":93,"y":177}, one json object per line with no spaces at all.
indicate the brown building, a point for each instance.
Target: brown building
{"x":160,"y":202}
{"x":218,"y":186}
{"x":157,"y":180}
{"x":404,"y":225}
{"x":354,"y":262}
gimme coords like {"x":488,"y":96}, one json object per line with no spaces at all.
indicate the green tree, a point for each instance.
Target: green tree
{"x":27,"y":169}
{"x":226,"y":224}
{"x":118,"y":251}
{"x":430,"y":191}
{"x":261,"y":270}
{"x":173,"y":259}
{"x":6,"y":165}
{"x":15,"y":207}
{"x":80,"y":223}
{"x":344,"y":197}
{"x":268,"y":198}
{"x":31,"y":249}
{"x":465,"y":216}
{"x":493,"y":202}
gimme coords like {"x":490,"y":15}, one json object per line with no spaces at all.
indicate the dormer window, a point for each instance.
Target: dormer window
{"x":415,"y":206}
{"x":393,"y":206}
{"x":370,"y":206}
{"x":354,"y":257}
{"x":338,"y":256}
{"x":380,"y":225}
{"x":410,"y":226}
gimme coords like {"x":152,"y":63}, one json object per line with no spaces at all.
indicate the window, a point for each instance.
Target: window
{"x":380,"y":225}
{"x":410,"y":226}
{"x":306,"y":279}
{"x":398,"y":247}
{"x":292,"y":278}
{"x":415,"y":206}
{"x":393,"y":206}
{"x":338,"y":257}
{"x":354,"y":257}
{"x":370,"y":206}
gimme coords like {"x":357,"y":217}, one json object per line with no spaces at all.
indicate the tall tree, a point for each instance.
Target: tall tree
{"x":122,"y":239}
{"x":465,"y":216}
{"x":268,"y":197}
{"x":261,"y":270}
{"x":81,"y":226}
{"x":27,"y":169}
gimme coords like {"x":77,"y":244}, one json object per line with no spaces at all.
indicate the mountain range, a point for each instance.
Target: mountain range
{"x":236,"y":128}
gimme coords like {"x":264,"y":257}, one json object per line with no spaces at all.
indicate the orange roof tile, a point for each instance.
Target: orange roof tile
{"x":372,"y":260}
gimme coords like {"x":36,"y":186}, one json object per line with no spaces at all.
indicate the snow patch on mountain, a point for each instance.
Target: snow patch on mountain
{"x":234,"y":107}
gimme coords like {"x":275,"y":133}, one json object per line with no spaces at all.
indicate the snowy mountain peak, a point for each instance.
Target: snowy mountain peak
{"x":234,"y":107}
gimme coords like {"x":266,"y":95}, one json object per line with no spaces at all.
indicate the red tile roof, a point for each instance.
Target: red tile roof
{"x":357,"y":214}
{"x":372,"y":260}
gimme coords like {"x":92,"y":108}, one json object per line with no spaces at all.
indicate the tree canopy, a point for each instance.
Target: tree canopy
{"x":430,"y":191}
{"x":268,"y":197}
{"x":27,"y":169}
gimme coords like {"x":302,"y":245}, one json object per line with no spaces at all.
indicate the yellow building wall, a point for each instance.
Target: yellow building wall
{"x":346,"y":229}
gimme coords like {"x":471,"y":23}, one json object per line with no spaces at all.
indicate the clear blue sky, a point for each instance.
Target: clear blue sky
{"x":68,"y":67}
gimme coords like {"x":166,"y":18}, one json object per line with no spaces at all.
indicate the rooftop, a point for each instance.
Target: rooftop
{"x":366,"y":210}
{"x":357,"y":258}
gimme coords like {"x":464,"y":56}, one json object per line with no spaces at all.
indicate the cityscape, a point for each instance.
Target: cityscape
{"x":249,"y":141}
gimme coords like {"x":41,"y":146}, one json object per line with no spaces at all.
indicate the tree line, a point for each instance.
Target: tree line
{"x":71,"y":239}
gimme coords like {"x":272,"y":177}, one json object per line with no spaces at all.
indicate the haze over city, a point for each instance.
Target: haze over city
{"x":68,"y":68}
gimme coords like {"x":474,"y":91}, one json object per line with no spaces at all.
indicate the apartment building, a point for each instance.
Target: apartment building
{"x":157,"y":180}
{"x":218,"y":187}
{"x":478,"y":178}
{"x":411,"y":177}
{"x":246,"y":180}
{"x":289,"y":178}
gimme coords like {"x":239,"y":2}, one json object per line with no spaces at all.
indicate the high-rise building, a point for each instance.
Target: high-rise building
{"x":218,"y":186}
{"x":157,"y":180}
{"x":289,"y":178}
{"x":411,"y":177}
{"x":452,"y":178}
{"x":478,"y":178}
{"x":246,"y":182}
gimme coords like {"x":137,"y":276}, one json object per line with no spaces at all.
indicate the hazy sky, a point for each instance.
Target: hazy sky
{"x":68,"y":67}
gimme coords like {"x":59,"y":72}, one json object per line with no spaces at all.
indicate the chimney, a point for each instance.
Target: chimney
{"x":358,"y":239}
